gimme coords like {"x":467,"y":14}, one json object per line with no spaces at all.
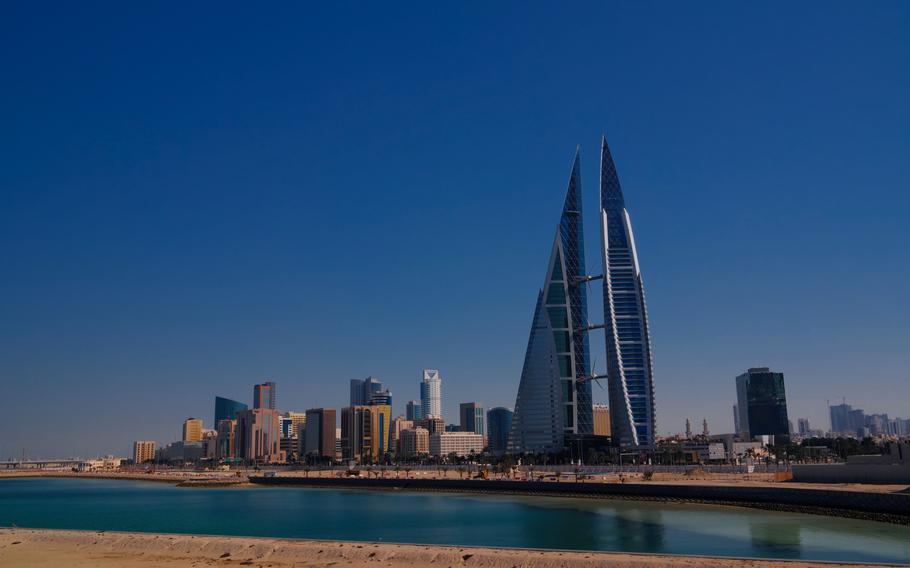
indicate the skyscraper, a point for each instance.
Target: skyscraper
{"x":366,"y":432}
{"x":226,"y":409}
{"x":431,"y":394}
{"x":554,"y":395}
{"x":762,"y":404}
{"x":628,"y":339}
{"x":472,"y":417}
{"x":319,"y":435}
{"x":499,"y":423}
{"x":257,"y":435}
{"x":265,"y":395}
{"x":381,"y":397}
{"x":840,"y":419}
{"x":412,"y":410}
{"x":362,"y":390}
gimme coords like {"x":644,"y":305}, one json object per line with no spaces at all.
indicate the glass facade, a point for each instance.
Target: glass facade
{"x":554,"y":397}
{"x":499,"y":423}
{"x":628,"y":340}
{"x":226,"y":409}
{"x":762,"y":403}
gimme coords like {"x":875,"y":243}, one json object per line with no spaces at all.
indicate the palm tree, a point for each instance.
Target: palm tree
{"x":397,"y":471}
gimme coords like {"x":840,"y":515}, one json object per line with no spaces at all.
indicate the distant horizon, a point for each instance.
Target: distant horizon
{"x":195,"y":205}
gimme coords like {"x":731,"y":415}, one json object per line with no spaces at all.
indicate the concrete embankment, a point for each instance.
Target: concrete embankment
{"x":887,"y":507}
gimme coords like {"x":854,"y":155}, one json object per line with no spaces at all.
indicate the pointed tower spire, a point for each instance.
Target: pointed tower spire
{"x":628,"y":339}
{"x":563,"y":306}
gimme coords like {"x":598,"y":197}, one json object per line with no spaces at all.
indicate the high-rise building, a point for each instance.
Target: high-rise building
{"x":381,"y":397}
{"x":803,"y":425}
{"x":762,"y":404}
{"x":431,"y":394}
{"x":554,"y":393}
{"x":471,"y":417}
{"x":298,"y":423}
{"x":143,"y":451}
{"x":499,"y":424}
{"x":365,"y":432}
{"x":320,"y":433}
{"x":258,"y":435}
{"x":736,"y":420}
{"x":357,"y":393}
{"x":840,"y":419}
{"x":414,"y":442}
{"x":412,"y":410}
{"x":601,"y":420}
{"x":362,"y":390}
{"x":226,"y":409}
{"x":192,"y":430}
{"x":226,"y":441}
{"x":629,"y":375}
{"x":265,"y":395}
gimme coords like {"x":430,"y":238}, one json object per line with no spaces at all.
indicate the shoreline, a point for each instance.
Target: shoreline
{"x":41,"y":548}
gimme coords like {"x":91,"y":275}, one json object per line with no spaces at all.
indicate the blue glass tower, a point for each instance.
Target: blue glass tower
{"x":554,"y":397}
{"x":225,"y":409}
{"x":628,"y":340}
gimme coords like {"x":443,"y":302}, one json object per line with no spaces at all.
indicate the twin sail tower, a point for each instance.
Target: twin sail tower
{"x":554,"y":403}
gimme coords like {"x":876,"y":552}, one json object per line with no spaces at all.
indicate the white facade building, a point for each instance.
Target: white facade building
{"x":431,"y":394}
{"x":459,"y":443}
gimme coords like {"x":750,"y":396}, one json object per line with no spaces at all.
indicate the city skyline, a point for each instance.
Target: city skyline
{"x":185,"y":219}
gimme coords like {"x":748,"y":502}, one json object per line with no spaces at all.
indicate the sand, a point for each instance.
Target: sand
{"x":79,"y":549}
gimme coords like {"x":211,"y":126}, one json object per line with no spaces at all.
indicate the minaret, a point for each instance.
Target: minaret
{"x":688,"y":429}
{"x":628,"y":340}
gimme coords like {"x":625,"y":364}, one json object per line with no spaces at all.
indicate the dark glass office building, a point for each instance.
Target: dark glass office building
{"x":226,"y":409}
{"x":628,"y":339}
{"x":471,"y":417}
{"x":762,"y":404}
{"x":499,"y":422}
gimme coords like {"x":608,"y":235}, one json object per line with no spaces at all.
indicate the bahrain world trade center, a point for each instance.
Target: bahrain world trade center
{"x":554,"y":401}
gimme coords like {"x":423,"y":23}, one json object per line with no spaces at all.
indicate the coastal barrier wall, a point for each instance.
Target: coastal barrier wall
{"x":896,"y":505}
{"x":853,"y":473}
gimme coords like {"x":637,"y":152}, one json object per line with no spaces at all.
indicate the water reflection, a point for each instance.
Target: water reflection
{"x":777,"y":540}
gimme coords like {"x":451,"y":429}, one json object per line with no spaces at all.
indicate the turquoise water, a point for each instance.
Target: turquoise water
{"x":438,"y":518}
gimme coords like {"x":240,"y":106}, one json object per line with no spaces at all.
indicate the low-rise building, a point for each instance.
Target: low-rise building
{"x":458,"y":443}
{"x":414,"y":442}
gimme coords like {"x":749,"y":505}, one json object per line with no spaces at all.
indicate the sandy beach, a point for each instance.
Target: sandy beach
{"x":53,"y":548}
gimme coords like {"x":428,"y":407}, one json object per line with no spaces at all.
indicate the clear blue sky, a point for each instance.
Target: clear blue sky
{"x":197,"y":198}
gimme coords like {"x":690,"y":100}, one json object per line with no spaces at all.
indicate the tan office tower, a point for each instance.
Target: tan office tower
{"x":258,"y":435}
{"x":365,"y":432}
{"x":143,"y":451}
{"x":601,"y":420}
{"x":414,"y":441}
{"x":398,"y":424}
{"x":192,"y":430}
